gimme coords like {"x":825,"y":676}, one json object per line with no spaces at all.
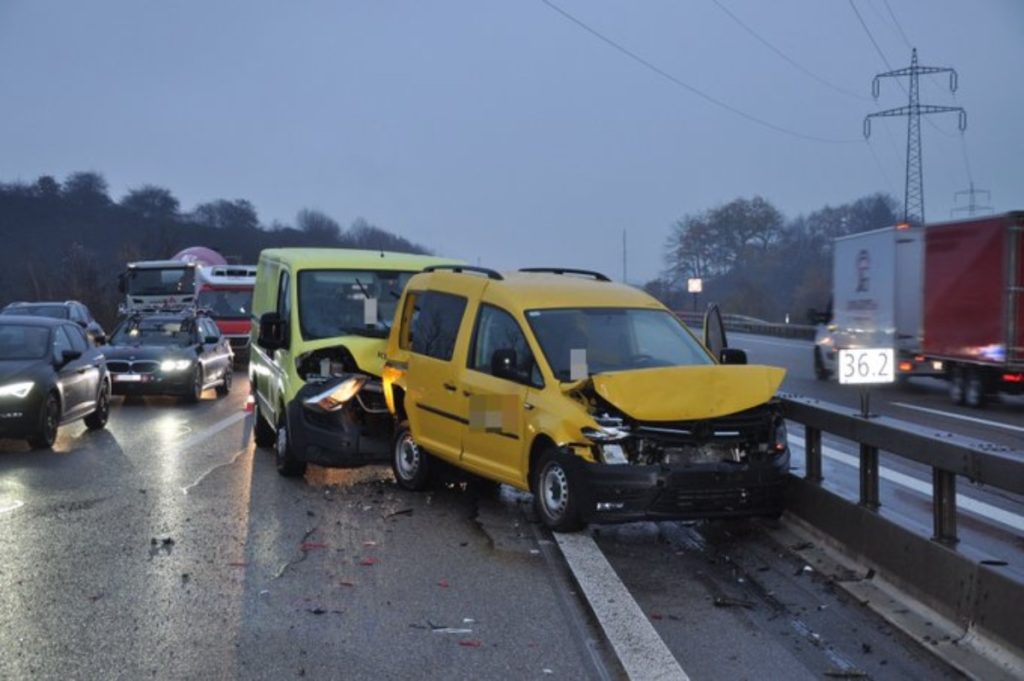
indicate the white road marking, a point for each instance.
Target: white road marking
{"x":962,"y":417}
{"x":1012,"y":520}
{"x":224,"y":423}
{"x":12,"y":506}
{"x":794,"y":344}
{"x":639,"y":648}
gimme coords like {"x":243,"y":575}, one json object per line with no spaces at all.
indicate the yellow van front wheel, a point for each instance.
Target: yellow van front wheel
{"x":409,"y":462}
{"x":556,"y":493}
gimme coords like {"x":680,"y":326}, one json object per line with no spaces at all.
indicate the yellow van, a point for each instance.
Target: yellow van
{"x":590,"y":394}
{"x":320,"y":320}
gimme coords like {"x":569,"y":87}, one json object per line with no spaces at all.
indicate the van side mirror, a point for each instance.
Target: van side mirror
{"x":503,"y":364}
{"x":733,"y":356}
{"x":211,"y":340}
{"x":121,"y":285}
{"x":273,"y":332}
{"x":67,"y":356}
{"x":99,"y":339}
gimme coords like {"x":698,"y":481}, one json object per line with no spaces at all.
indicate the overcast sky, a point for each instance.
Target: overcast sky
{"x":502,"y":131}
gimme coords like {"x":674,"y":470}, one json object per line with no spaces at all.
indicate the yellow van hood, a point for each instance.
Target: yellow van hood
{"x":688,"y":392}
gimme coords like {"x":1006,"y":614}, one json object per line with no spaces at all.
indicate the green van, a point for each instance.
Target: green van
{"x":321,"y":318}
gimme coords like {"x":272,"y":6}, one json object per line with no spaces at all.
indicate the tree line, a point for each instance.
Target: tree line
{"x":754,"y":261}
{"x":70,"y":239}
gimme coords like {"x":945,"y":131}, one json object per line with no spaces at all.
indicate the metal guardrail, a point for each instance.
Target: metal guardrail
{"x":804,"y":331}
{"x":968,"y":586}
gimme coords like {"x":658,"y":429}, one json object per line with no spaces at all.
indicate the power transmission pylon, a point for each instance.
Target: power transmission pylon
{"x":971,"y":208}
{"x":913,"y":200}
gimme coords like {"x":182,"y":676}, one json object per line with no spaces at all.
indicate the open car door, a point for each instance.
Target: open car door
{"x":715,"y":339}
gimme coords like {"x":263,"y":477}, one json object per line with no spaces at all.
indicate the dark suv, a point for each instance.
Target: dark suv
{"x":72,"y":310}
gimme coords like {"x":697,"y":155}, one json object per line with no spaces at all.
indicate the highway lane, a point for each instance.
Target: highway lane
{"x":920,"y":400}
{"x":167,"y":547}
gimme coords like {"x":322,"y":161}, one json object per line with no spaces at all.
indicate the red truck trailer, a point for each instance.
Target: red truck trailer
{"x":974,"y":305}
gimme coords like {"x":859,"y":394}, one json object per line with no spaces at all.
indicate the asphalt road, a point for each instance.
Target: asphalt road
{"x":168,"y":547}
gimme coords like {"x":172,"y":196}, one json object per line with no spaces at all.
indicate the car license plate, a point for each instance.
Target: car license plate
{"x":866,"y":365}
{"x":127,"y":378}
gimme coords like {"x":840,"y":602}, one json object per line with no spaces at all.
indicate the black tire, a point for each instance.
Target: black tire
{"x":556,"y":495}
{"x":225,"y":386}
{"x":287,"y":465}
{"x":263,"y":434}
{"x":820,"y":372}
{"x":196,"y":392}
{"x":98,"y":419}
{"x":49,"y":421}
{"x":410,"y":463}
{"x":975,"y":390}
{"x":957,"y":385}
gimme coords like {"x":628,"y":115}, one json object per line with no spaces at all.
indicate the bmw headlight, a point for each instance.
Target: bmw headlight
{"x":19,"y":390}
{"x":335,"y":397}
{"x":169,"y":365}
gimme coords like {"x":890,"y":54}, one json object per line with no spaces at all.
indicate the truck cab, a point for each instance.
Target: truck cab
{"x":157,"y":284}
{"x":225,"y":293}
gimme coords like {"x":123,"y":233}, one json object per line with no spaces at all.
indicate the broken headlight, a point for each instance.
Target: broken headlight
{"x":335,"y":397}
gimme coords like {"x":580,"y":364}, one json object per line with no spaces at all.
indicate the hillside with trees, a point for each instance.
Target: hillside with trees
{"x":70,"y":239}
{"x":755,"y":262}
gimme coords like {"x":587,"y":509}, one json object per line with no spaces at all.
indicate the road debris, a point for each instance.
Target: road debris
{"x":368,"y":561}
{"x":470,"y":643}
{"x":726,"y":602}
{"x":404,"y":511}
{"x":443,"y":583}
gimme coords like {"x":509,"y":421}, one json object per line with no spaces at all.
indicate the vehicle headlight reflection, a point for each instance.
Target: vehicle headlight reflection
{"x":19,"y":390}
{"x":170,"y":365}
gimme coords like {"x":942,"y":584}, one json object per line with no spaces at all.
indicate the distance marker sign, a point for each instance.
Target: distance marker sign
{"x":866,"y":365}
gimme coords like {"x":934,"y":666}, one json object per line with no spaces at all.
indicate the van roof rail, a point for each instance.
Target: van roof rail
{"x":459,"y":269}
{"x":566,"y":270}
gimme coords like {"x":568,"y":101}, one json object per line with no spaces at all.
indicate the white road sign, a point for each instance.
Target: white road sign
{"x":867,"y":365}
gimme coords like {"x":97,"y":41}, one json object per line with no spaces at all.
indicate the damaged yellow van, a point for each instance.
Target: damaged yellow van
{"x":589,"y":394}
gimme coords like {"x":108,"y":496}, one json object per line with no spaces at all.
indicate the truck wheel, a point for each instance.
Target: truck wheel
{"x":409,"y":462}
{"x":556,"y":493}
{"x":263,"y":434}
{"x":287,"y":465}
{"x":820,"y":372}
{"x":957,"y":385}
{"x":49,"y":421}
{"x":974,"y":390}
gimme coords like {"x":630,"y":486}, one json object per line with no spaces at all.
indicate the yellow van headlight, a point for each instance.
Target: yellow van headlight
{"x":335,"y":397}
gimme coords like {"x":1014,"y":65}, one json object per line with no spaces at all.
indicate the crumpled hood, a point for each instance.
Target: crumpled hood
{"x":687,"y":393}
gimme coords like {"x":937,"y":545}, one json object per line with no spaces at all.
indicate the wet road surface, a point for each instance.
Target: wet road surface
{"x":168,"y":547}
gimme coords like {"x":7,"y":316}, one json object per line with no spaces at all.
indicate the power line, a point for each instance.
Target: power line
{"x":686,"y":86}
{"x":897,"y":23}
{"x":792,"y":62}
{"x":872,"y":38}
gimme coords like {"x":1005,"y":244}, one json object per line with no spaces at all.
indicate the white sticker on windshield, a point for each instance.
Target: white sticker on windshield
{"x":370,"y":311}
{"x":578,"y":364}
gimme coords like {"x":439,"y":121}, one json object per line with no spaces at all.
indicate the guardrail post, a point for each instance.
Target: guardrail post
{"x":944,"y":506}
{"x":812,"y":454}
{"x":869,"y":477}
